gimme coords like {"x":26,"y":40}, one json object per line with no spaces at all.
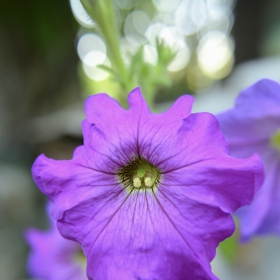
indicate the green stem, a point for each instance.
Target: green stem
{"x":102,"y":12}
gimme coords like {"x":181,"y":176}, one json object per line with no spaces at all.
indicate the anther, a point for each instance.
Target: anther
{"x":148,"y":182}
{"x":137,"y":182}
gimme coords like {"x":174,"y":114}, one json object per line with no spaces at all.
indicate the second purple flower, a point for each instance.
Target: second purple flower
{"x":253,"y":125}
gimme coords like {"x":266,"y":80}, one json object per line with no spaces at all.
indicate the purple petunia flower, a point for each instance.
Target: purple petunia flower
{"x":53,"y":257}
{"x":148,"y":196}
{"x":254,"y":126}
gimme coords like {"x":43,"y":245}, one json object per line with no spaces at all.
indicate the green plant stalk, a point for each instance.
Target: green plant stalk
{"x":102,"y":12}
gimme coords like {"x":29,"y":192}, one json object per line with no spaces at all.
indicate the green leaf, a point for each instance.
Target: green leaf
{"x":107,"y":69}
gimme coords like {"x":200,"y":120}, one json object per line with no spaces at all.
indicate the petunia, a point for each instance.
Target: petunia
{"x":148,"y":196}
{"x":253,"y":125}
{"x":53,"y":257}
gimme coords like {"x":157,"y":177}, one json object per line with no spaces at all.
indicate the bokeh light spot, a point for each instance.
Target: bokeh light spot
{"x":215,"y":52}
{"x":95,"y":73}
{"x":135,"y":26}
{"x":94,"y":58}
{"x":88,"y":43}
{"x":126,"y":4}
{"x":80,"y":14}
{"x":153,"y":32}
{"x":165,"y":5}
{"x":128,"y":49}
{"x":150,"y":54}
{"x":176,"y":41}
{"x":190,"y":16}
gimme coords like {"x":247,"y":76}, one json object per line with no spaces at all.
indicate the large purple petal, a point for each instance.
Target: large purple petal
{"x":68,"y":183}
{"x":147,"y":236}
{"x":123,"y":133}
{"x":206,"y":171}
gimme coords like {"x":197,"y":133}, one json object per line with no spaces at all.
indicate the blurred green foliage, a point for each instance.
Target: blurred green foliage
{"x":47,"y":26}
{"x":230,"y":246}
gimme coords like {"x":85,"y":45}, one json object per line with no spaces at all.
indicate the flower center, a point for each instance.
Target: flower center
{"x":139,"y":174}
{"x":275,"y":140}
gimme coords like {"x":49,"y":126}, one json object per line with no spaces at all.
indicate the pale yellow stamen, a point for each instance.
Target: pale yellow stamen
{"x":137,"y":182}
{"x":148,"y":182}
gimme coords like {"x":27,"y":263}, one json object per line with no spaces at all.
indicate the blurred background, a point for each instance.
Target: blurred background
{"x":53,"y":55}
